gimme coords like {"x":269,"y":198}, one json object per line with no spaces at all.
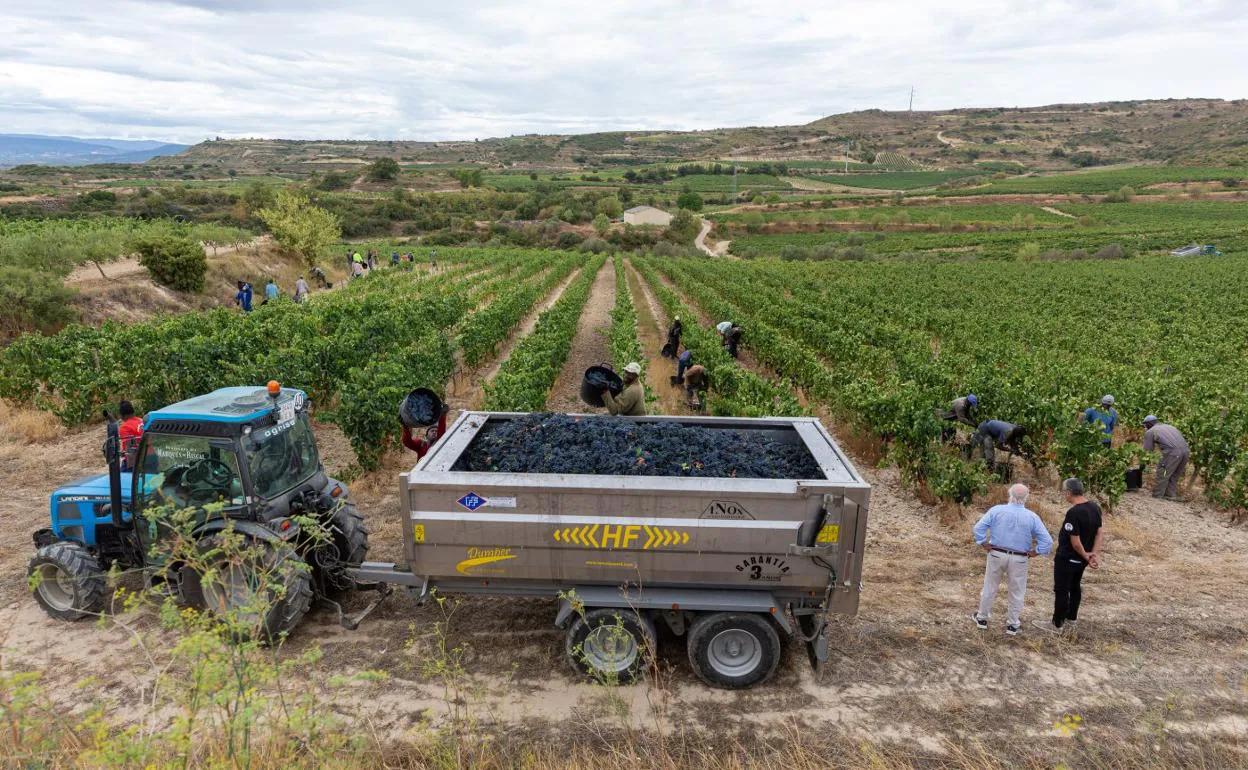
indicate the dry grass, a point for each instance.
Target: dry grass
{"x":29,"y":426}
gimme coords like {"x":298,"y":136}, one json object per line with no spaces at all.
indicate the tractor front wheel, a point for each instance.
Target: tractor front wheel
{"x":67,"y":581}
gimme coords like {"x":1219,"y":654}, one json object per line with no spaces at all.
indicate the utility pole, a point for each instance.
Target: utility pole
{"x":911,"y":98}
{"x":847,"y":157}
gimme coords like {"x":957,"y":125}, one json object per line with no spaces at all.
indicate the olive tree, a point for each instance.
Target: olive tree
{"x":300,"y":226}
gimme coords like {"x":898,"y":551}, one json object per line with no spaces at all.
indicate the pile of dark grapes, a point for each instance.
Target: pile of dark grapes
{"x":559,"y":443}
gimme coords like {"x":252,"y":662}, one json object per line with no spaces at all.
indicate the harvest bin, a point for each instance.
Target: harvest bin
{"x":673,"y":549}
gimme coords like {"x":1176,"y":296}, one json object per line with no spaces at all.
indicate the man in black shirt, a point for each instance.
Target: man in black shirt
{"x":1078,"y":546}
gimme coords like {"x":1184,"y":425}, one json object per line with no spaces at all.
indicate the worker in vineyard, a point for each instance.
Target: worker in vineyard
{"x":319,"y":275}
{"x":243,"y":297}
{"x":1106,"y":416}
{"x":270,"y":290}
{"x":672,"y":348}
{"x":682,"y":364}
{"x":991,"y":434}
{"x":301,"y":290}
{"x":1078,"y":547}
{"x":1011,"y":534}
{"x":632,"y":400}
{"x":394,"y":258}
{"x":732,"y":340}
{"x":963,"y":410}
{"x":129,"y":432}
{"x":1174,"y":455}
{"x":421,"y":444}
{"x":697,"y":381}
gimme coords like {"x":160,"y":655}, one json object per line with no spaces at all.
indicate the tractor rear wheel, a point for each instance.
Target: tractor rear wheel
{"x":260,"y":593}
{"x":68,"y":581}
{"x":348,"y":547}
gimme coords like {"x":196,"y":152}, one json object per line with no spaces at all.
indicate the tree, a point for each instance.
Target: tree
{"x":602,"y":224}
{"x":683,"y":229}
{"x":689,"y":200}
{"x":470,"y":177}
{"x":610,"y":206}
{"x":176,"y":261}
{"x":384,"y":169}
{"x":33,"y":300}
{"x":300,"y":225}
{"x":335,"y":180}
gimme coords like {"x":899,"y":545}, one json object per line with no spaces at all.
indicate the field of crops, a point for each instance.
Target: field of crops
{"x":724,"y":182}
{"x":1000,"y":214}
{"x":895,"y":180}
{"x":884,"y":345}
{"x":1104,"y":181}
{"x":1140,"y":228}
{"x":881,"y":344}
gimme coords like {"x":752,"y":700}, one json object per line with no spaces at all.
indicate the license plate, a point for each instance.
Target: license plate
{"x":286,"y":412}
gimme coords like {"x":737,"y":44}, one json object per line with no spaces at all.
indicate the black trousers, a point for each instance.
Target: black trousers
{"x":1067,"y":592}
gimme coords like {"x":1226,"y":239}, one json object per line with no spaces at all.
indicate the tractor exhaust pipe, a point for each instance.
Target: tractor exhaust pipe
{"x":112,"y":453}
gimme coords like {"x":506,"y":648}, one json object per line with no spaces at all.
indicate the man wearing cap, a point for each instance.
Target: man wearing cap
{"x":963,"y":410}
{"x":632,"y":400}
{"x":1107,"y":416}
{"x":672,"y":348}
{"x":1011,"y":534}
{"x":1174,"y":455}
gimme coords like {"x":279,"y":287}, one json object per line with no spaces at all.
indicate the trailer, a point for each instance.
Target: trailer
{"x":731,"y":564}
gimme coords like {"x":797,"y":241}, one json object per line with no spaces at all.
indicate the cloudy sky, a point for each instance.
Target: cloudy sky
{"x":191,"y":69}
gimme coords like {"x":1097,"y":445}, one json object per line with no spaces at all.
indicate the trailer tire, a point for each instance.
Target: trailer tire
{"x":733,"y":650}
{"x":67,"y":581}
{"x":611,"y":646}
{"x":288,"y":593}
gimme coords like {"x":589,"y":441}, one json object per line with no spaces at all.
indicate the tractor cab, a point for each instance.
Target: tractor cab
{"x":244,"y":457}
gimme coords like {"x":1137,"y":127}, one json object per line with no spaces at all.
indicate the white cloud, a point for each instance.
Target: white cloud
{"x":425,"y":70}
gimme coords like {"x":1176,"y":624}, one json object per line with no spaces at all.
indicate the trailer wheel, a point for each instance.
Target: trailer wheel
{"x":67,"y":581}
{"x":261,"y":595}
{"x":733,"y":650}
{"x":612,"y":646}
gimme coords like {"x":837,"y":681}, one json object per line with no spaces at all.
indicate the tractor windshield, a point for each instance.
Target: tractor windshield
{"x":281,"y":456}
{"x":184,"y":471}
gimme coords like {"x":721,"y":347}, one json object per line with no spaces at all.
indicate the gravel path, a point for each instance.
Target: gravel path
{"x":590,"y":346}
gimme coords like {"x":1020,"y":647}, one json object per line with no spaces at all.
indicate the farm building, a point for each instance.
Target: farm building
{"x":647,"y":215}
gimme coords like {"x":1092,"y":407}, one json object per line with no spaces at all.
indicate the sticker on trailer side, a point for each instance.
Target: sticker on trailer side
{"x":500,"y":502}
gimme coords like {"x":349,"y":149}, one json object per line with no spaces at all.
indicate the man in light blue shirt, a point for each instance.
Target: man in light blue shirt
{"x":1011,"y":534}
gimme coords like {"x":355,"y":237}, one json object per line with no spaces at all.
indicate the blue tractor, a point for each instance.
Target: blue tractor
{"x":250,"y":451}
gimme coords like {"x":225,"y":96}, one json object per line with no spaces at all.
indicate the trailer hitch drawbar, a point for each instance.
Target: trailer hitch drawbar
{"x":352,"y":622}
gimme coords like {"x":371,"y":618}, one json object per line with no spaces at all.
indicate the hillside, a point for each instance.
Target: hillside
{"x":1062,"y":136}
{"x":16,"y":149}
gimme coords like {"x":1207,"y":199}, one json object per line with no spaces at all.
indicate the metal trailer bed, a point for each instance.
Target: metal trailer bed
{"x":709,"y":557}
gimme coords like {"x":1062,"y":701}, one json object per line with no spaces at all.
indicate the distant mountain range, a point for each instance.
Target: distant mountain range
{"x":16,"y":149}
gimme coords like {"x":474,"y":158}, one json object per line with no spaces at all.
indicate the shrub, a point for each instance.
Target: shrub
{"x":792,"y":252}
{"x":33,"y":300}
{"x":335,"y":180}
{"x":1028,"y":252}
{"x":383,"y":169}
{"x":595,"y":245}
{"x":1112,"y":251}
{"x":173,"y":260}
{"x":667,"y":249}
{"x":689,"y":200}
{"x":609,"y":206}
{"x":568,"y":240}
